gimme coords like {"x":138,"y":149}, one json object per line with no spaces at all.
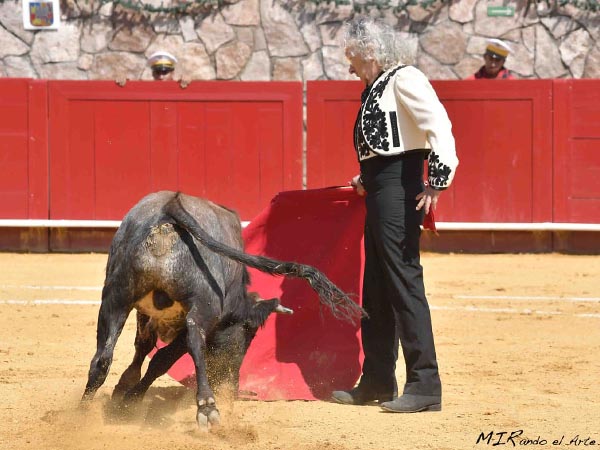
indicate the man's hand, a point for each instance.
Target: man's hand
{"x":356,"y":184}
{"x":184,"y":82}
{"x":121,"y":80}
{"x":428,"y":198}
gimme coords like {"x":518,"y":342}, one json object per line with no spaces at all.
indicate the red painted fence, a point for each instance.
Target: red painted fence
{"x":238,"y":144}
{"x":529,"y":149}
{"x":23,"y":149}
{"x":503,"y":138}
{"x":576,"y":144}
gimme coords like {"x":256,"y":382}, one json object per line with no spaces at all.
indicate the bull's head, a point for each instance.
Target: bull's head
{"x":229,"y":343}
{"x":262,"y":308}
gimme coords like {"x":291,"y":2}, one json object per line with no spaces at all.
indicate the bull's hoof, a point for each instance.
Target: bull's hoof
{"x":207,"y":417}
{"x":121,"y":390}
{"x":84,"y":404}
{"x":129,"y":379}
{"x":130,"y":398}
{"x":202,"y":421}
{"x":117,"y":395}
{"x":214,"y":418}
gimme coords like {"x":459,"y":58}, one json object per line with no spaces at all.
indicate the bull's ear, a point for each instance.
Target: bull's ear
{"x":253,"y":296}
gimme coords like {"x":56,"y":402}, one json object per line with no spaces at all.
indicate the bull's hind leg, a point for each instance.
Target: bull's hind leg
{"x":207,"y":414}
{"x":145,"y":340}
{"x":111,"y":319}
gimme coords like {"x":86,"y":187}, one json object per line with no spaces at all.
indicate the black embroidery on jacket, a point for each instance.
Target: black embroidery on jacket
{"x":373,"y":118}
{"x":439,"y":173}
{"x":360,"y":144}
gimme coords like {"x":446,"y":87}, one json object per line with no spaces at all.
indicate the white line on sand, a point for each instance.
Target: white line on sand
{"x":474,"y":309}
{"x":51,"y":288}
{"x":526,"y":311}
{"x":49,"y":302}
{"x":535,"y":298}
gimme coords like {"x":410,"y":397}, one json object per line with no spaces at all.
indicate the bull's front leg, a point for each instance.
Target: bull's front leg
{"x":207,"y":414}
{"x":145,"y":340}
{"x":111,"y":319}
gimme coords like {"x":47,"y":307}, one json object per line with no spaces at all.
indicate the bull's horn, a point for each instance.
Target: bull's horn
{"x":283,"y":310}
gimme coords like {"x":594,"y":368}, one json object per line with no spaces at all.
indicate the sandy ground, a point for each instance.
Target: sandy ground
{"x":518,"y":339}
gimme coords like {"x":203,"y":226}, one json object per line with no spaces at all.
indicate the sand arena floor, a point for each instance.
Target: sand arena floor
{"x":518,"y":339}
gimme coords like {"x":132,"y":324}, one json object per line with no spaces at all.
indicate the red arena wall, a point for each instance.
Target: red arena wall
{"x":528,"y":152}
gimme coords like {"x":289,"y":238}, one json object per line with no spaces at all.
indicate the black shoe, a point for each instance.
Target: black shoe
{"x":409,"y":403}
{"x":360,"y":396}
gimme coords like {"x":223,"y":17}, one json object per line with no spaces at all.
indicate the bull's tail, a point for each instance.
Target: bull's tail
{"x":340,"y":304}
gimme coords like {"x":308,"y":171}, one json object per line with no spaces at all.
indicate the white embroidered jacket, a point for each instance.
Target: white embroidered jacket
{"x":402,"y":112}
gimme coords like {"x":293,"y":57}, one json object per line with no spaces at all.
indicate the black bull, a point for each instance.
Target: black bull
{"x":179,"y":261}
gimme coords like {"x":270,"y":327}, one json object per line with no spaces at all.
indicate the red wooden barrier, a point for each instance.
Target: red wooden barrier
{"x":23,"y":160}
{"x":14,"y":148}
{"x":503,"y":139}
{"x":238,"y":144}
{"x":23,"y":149}
{"x":90,"y":150}
{"x":577,"y":151}
{"x":504,"y":143}
{"x":331,"y":111}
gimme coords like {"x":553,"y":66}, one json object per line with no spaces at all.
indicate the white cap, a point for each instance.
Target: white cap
{"x":162,"y":58}
{"x":497,"y":48}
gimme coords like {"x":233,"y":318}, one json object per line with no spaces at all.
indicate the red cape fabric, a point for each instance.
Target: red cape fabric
{"x":429,"y":221}
{"x":306,"y":355}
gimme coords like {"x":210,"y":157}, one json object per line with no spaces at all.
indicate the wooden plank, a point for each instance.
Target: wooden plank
{"x":577,"y":151}
{"x":14,"y":148}
{"x":38,"y":204}
{"x":235,"y":143}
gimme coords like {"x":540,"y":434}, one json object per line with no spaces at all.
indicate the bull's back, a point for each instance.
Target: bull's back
{"x":155,"y":253}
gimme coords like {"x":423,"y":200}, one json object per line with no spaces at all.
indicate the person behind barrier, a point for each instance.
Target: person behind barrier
{"x":162,"y":65}
{"x":400,"y":123}
{"x":494,"y":58}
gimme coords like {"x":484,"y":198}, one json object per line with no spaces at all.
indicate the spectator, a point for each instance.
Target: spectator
{"x":494,"y":58}
{"x":162,"y":64}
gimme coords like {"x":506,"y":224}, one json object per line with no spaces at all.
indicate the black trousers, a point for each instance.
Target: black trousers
{"x":393,"y":290}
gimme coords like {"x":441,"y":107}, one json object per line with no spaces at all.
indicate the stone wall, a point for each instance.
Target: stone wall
{"x":292,"y":40}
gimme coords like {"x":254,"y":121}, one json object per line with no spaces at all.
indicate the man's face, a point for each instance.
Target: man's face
{"x":360,"y":67}
{"x":162,"y":73}
{"x":493,"y":64}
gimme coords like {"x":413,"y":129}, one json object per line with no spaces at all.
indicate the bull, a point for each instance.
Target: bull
{"x":179,"y":261}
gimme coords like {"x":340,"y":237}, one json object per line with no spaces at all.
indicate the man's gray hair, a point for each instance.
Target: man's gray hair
{"x":374,"y":39}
